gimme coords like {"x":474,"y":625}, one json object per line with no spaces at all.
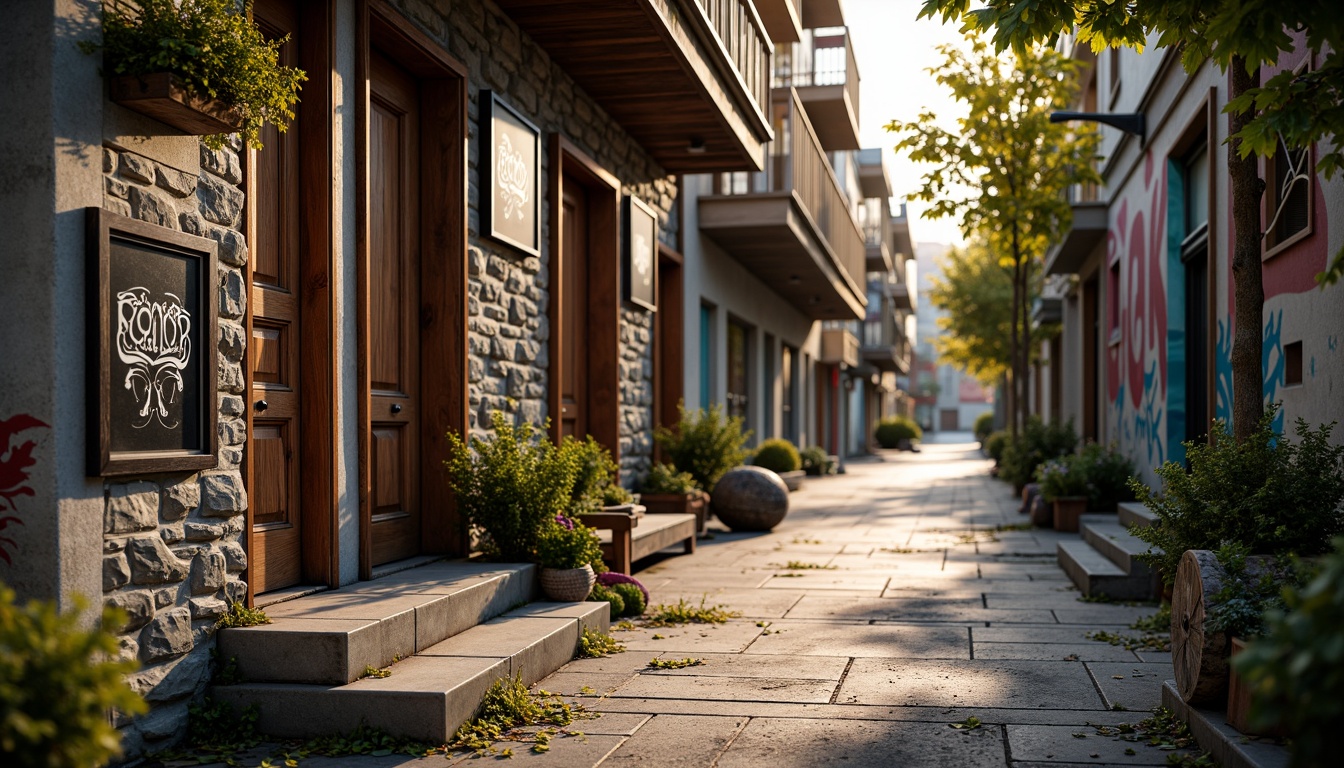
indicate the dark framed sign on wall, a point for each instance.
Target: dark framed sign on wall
{"x":152,"y":354}
{"x":510,"y":166}
{"x":641,"y":253}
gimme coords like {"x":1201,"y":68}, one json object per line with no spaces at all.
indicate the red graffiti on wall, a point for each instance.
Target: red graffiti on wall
{"x":14,"y":464}
{"x":1139,"y":245}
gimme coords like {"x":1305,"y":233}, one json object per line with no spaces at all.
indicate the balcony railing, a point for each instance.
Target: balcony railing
{"x":743,"y":38}
{"x":826,"y":59}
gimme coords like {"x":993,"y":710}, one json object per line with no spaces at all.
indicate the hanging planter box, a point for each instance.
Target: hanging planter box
{"x":164,"y":98}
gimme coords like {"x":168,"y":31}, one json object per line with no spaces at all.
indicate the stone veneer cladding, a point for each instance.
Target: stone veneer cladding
{"x":509,"y":291}
{"x":173,"y":543}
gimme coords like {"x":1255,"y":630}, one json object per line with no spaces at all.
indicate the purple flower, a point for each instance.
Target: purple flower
{"x":565,"y":521}
{"x":611,"y":577}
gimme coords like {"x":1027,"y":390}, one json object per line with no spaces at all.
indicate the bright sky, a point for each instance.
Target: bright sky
{"x":893,"y":51}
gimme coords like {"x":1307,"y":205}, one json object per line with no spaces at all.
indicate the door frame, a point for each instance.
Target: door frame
{"x":603,"y":320}
{"x":318,"y":397}
{"x":443,"y":267}
{"x":669,"y":341}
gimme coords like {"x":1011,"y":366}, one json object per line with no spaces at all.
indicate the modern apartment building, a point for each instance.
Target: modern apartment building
{"x":946,"y":398}
{"x":1143,"y":282}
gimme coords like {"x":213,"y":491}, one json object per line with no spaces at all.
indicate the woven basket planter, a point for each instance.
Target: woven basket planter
{"x":567,"y":585}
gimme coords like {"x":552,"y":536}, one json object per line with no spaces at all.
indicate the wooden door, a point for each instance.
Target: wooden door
{"x":274,"y":442}
{"x":574,"y":312}
{"x":393,"y":304}
{"x":739,"y":371}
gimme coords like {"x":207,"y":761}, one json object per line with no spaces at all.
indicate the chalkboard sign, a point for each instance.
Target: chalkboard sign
{"x":641,"y":254}
{"x":152,"y":345}
{"x":510,"y":164}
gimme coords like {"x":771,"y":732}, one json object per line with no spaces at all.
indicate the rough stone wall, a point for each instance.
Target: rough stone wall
{"x":509,"y":290}
{"x":172,"y":544}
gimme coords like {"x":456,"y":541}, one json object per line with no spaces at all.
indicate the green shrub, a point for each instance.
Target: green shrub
{"x":893,"y":430}
{"x":510,"y":486}
{"x":1276,"y":496}
{"x":595,"y":466}
{"x":1297,"y":668}
{"x":614,"y":495}
{"x":1037,"y":443}
{"x":213,"y":49}
{"x":1062,"y":478}
{"x":602,"y":593}
{"x":777,"y":455}
{"x":705,"y":443}
{"x":816,"y":461}
{"x":984,"y":425}
{"x":995,"y":445}
{"x":566,"y":543}
{"x":632,"y":596}
{"x":57,"y":686}
{"x":664,"y":478}
{"x":1109,"y":473}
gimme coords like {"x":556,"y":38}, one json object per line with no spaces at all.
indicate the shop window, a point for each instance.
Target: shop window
{"x":1292,"y":364}
{"x":1287,"y":196}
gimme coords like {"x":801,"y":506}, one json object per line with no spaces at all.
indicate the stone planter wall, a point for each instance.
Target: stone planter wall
{"x":173,"y":544}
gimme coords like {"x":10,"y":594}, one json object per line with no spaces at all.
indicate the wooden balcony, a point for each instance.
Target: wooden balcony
{"x":823,"y":70}
{"x":782,"y":20}
{"x":1088,"y":230}
{"x":838,"y":346}
{"x":873,"y":179}
{"x":884,"y":344}
{"x":688,"y":79}
{"x":822,"y":13}
{"x":791,"y":225}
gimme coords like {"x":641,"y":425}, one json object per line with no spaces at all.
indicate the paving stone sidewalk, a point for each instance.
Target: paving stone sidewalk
{"x":919,"y":615}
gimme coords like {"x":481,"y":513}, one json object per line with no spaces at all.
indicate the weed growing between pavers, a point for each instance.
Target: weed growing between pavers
{"x":1145,"y":642}
{"x":595,"y":645}
{"x":969,"y":724}
{"x":507,"y":708}
{"x":1102,"y":597}
{"x":674,"y":663}
{"x":686,"y":613}
{"x":372,"y":671}
{"x":1164,"y":731}
{"x":240,"y":615}
{"x":799,"y":565}
{"x":1159,"y":622}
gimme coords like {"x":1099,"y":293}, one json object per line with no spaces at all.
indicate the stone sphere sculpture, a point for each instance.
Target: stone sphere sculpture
{"x":750,"y":499}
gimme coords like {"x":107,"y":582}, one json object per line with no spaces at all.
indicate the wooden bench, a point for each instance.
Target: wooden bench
{"x":627,"y":538}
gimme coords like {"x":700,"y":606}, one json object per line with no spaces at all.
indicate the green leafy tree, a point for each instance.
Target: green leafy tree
{"x":1295,"y":108}
{"x":1003,"y":171}
{"x":975,"y":294}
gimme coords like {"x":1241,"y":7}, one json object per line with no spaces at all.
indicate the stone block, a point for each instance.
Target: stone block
{"x":223,"y":495}
{"x":222,"y":163}
{"x":132,"y":507}
{"x":232,"y":246}
{"x":232,"y":340}
{"x":109,"y":160}
{"x":208,"y":573}
{"x":203,"y":531}
{"x":116,"y":188}
{"x":171,"y":534}
{"x":234,"y":556}
{"x":135,"y":167}
{"x":152,"y":562}
{"x":176,"y":183}
{"x":168,"y":635}
{"x":230,"y":405}
{"x":229,"y":377}
{"x":220,"y":202}
{"x":139,"y":608}
{"x":165,"y":597}
{"x":207,"y":608}
{"x":152,"y":207}
{"x":116,"y":572}
{"x":232,"y":293}
{"x":163,"y":721}
{"x":172,"y":680}
{"x":180,"y":498}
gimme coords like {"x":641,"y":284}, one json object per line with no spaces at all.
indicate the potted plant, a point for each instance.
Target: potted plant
{"x":898,"y":432}
{"x":595,"y":484}
{"x":1064,"y":484}
{"x":510,"y":487}
{"x":667,"y":491}
{"x":567,"y":551}
{"x":197,"y":65}
{"x":816,"y":462}
{"x":782,"y":458}
{"x":705,"y":443}
{"x":1037,"y":443}
{"x":1109,"y":473}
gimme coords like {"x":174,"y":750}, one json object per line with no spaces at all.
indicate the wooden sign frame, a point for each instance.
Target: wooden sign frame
{"x":640,"y":243}
{"x":508,"y":190}
{"x":152,"y":351}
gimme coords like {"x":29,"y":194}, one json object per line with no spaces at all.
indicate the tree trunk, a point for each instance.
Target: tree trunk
{"x":1013,"y":344}
{"x":1024,"y":403}
{"x":1248,"y":284}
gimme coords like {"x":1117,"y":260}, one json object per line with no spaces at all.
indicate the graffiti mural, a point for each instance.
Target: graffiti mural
{"x":14,"y":463}
{"x":1138,"y":364}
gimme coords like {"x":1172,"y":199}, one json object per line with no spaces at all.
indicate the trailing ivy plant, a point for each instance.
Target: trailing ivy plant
{"x":1274,"y":495}
{"x":215,"y":51}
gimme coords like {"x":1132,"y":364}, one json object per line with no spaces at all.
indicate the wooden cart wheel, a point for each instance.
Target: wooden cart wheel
{"x":1199,"y":659}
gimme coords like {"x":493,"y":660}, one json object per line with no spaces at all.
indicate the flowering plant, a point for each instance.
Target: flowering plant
{"x":567,"y":543}
{"x":1062,"y":478}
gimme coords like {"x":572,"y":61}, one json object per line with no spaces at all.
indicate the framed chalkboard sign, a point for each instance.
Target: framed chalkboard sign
{"x":641,"y":253}
{"x":152,"y":354}
{"x":510,"y":166}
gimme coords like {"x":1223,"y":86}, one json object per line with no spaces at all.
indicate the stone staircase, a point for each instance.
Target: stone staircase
{"x":446,"y":631}
{"x":1103,"y":561}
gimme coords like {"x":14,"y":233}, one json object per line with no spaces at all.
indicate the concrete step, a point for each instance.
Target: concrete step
{"x":429,"y":695}
{"x":1118,"y":545}
{"x":1094,"y":574}
{"x":331,"y":637}
{"x":1134,"y":513}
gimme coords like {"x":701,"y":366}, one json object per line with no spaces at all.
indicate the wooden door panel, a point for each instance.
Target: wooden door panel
{"x":276,"y":503}
{"x":394,"y":309}
{"x":573,"y":312}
